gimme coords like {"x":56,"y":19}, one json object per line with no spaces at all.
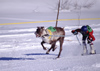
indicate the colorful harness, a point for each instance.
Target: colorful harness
{"x":50,"y":30}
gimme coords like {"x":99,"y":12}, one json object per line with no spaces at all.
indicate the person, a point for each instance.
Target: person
{"x":87,"y":33}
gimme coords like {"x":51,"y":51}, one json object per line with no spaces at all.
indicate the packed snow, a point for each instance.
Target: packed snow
{"x":20,"y":50}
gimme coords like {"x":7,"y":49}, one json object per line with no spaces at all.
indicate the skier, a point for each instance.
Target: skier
{"x":87,"y":33}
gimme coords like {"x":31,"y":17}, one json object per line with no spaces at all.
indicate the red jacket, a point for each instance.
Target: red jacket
{"x":89,"y":34}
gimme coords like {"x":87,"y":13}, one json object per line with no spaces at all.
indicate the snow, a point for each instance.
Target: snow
{"x":20,"y":50}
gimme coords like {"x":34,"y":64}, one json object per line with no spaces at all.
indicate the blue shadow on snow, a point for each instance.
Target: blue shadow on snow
{"x":39,"y":54}
{"x":11,"y":58}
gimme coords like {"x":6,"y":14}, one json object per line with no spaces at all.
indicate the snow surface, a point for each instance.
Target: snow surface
{"x":20,"y":50}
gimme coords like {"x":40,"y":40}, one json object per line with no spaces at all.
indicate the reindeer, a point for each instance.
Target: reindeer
{"x":51,"y":38}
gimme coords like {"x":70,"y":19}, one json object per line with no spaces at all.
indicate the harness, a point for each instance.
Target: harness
{"x":49,"y":31}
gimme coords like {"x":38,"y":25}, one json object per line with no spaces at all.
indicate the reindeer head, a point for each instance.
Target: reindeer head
{"x":39,"y":31}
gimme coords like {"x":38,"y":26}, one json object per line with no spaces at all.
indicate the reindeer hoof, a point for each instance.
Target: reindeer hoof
{"x":47,"y":52}
{"x":56,"y":57}
{"x":45,"y":48}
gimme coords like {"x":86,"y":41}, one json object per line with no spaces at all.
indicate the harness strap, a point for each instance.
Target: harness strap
{"x":50,"y":33}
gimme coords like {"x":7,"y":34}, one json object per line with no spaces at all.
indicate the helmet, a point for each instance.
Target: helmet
{"x":84,"y":28}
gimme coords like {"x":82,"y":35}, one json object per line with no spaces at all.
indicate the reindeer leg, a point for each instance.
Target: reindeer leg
{"x":61,"y":43}
{"x":48,"y":51}
{"x":53,"y":49}
{"x":43,"y":45}
{"x":52,"y":46}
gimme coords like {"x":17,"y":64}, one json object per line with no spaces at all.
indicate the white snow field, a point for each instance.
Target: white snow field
{"x":20,"y":50}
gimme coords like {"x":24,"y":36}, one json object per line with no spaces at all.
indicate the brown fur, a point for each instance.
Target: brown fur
{"x":58,"y":35}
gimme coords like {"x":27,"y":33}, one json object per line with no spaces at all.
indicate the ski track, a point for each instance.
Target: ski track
{"x":18,"y":19}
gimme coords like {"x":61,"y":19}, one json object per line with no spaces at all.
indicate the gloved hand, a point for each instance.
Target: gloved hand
{"x":74,"y":32}
{"x":89,"y":40}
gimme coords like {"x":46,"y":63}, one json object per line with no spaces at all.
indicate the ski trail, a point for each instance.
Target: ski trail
{"x":18,"y":19}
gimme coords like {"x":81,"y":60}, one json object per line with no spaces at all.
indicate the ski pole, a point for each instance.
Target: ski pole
{"x":78,"y":40}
